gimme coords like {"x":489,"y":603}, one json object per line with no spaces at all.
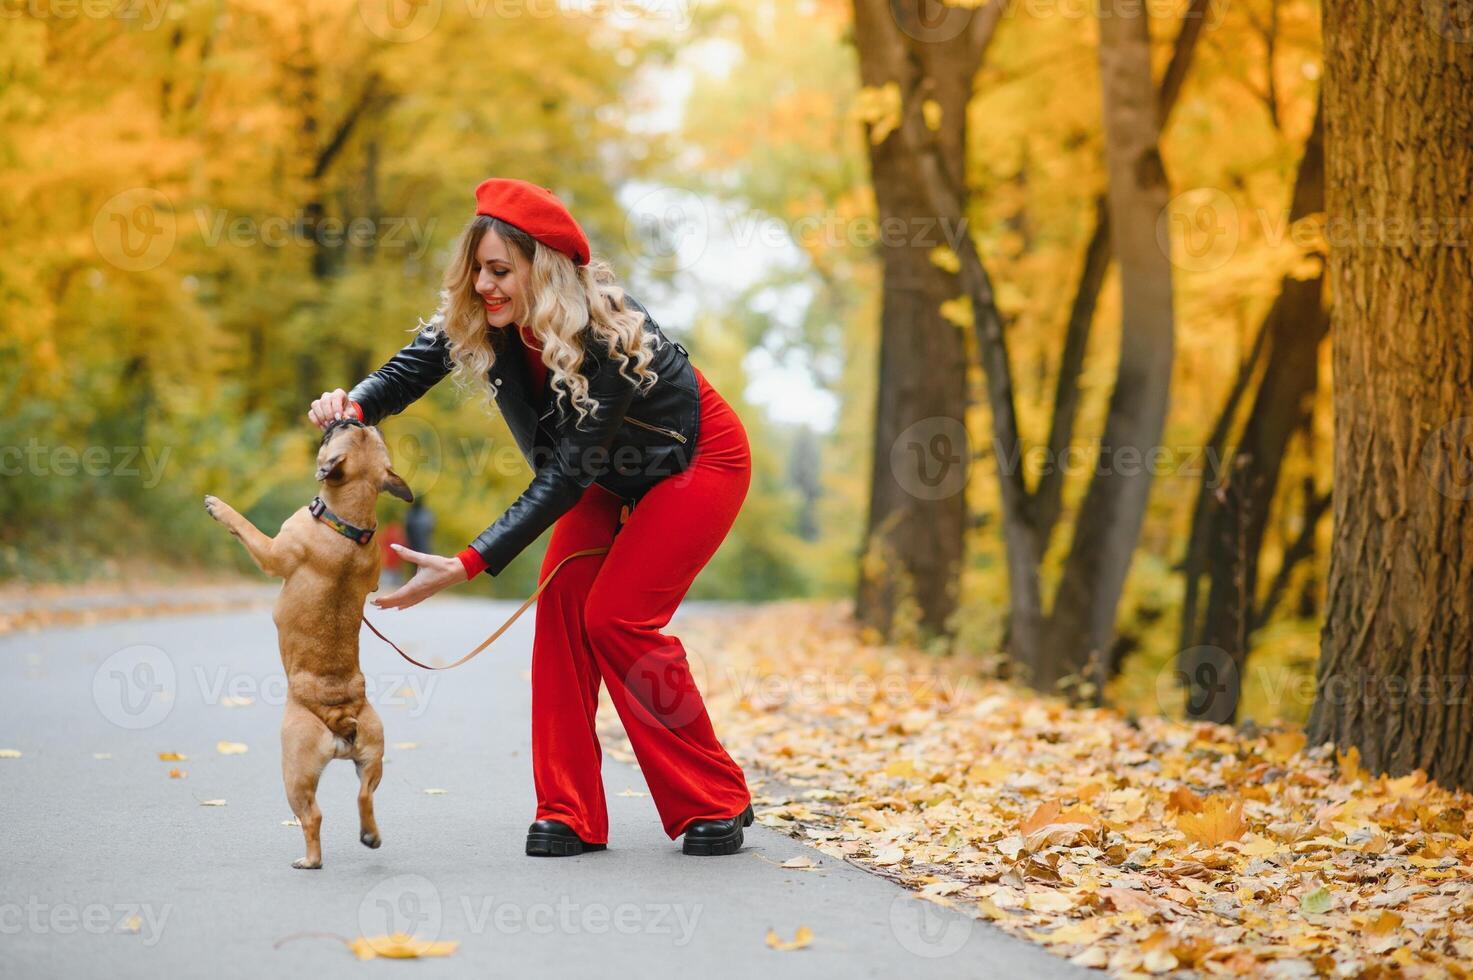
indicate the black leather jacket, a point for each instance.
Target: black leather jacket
{"x":634,"y":441}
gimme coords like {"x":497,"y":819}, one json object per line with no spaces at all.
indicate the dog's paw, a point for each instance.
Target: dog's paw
{"x":213,"y":506}
{"x":302,"y":864}
{"x":372,"y":840}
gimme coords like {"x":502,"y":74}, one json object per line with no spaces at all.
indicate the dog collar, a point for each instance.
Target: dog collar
{"x":318,"y":509}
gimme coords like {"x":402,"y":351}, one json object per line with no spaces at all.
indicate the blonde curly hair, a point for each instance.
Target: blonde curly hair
{"x":564,"y":299}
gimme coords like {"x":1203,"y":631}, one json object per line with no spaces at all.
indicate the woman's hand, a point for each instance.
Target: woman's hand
{"x":435,"y":574}
{"x":332,"y":405}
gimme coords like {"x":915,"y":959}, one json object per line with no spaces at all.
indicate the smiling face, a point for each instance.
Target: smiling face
{"x":501,"y":283}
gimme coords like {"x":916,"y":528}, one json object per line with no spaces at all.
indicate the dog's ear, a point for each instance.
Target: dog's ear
{"x":332,"y":468}
{"x":394,"y":483}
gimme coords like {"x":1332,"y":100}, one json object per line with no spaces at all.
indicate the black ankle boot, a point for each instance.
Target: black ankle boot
{"x":552,"y":838}
{"x":717,"y":836}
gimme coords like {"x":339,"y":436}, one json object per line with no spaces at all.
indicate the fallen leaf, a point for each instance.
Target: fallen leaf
{"x":232,"y":748}
{"x":1219,"y":821}
{"x":893,"y":854}
{"x":800,"y":939}
{"x":1184,"y":800}
{"x":632,"y":792}
{"x":293,"y":822}
{"x":102,"y":755}
{"x":9,"y":753}
{"x":400,"y":946}
{"x":172,"y":757}
{"x":434,"y":792}
{"x":1317,"y":902}
{"x":177,"y":774}
{"x":211,"y":802}
{"x":800,"y":863}
{"x":1095,"y":957}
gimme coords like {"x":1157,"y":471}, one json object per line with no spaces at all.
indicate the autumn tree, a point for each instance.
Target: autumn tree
{"x":1278,"y":380}
{"x":914,"y":534}
{"x":1397,"y":644}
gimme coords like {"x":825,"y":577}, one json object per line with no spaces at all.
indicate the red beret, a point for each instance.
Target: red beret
{"x":535,"y":210}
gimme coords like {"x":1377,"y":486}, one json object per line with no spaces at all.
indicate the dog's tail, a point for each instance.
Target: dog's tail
{"x":341,"y":721}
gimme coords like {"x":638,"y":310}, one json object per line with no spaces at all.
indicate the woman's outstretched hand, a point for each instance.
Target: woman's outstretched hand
{"x":435,"y":574}
{"x":332,"y":405}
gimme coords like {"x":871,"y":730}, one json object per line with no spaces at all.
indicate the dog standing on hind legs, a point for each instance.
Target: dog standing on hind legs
{"x":322,"y":552}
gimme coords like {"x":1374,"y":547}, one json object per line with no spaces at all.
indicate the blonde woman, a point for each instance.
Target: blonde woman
{"x":632,"y":449}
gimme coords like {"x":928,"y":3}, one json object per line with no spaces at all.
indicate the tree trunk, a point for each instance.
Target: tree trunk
{"x":1082,"y":623}
{"x":1236,"y":515}
{"x":1397,"y":646}
{"x":915,"y":532}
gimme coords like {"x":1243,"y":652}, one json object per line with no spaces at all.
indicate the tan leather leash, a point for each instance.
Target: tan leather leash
{"x":504,"y":626}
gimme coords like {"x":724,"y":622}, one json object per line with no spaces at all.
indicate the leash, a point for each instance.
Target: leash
{"x":504,"y":626}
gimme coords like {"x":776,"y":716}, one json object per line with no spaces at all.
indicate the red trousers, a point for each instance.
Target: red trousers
{"x":600,"y":620}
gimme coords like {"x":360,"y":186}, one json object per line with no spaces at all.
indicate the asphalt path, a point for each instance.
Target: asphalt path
{"x":109,"y":867}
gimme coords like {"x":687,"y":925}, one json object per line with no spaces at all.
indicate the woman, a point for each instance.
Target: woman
{"x":633,"y":450}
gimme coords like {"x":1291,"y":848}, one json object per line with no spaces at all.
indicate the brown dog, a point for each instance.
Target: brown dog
{"x":328,"y":576}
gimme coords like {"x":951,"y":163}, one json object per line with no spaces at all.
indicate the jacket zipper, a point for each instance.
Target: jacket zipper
{"x":655,"y":428}
{"x":639,"y":422}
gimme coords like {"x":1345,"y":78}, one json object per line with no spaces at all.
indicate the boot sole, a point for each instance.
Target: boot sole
{"x":729,"y":844}
{"x":546,"y":845}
